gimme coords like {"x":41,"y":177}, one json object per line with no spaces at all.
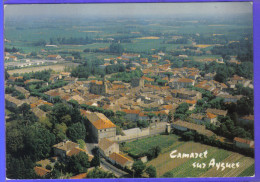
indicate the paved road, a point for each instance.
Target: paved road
{"x":109,"y":167}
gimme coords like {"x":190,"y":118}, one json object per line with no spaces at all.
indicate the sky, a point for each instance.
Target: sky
{"x":129,"y":9}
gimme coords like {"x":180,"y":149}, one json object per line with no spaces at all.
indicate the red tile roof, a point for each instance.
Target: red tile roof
{"x":99,"y":120}
{"x":128,"y":111}
{"x":75,"y":151}
{"x":191,"y":101}
{"x":120,"y":159}
{"x":249,"y":117}
{"x":242,"y":140}
{"x":186,"y":80}
{"x":79,"y":176}
{"x":148,"y":79}
{"x":211,"y":116}
{"x":168,"y":107}
{"x":40,"y":171}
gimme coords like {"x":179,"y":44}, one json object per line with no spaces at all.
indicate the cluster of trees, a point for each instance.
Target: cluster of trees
{"x":30,"y":139}
{"x":115,"y":68}
{"x":210,"y":39}
{"x":229,"y":129}
{"x":91,"y":68}
{"x":76,"y":164}
{"x":98,"y":173}
{"x":179,"y":63}
{"x":140,"y":168}
{"x":116,"y":48}
{"x":88,"y":68}
{"x":244,"y":106}
{"x":223,"y":71}
{"x":243,"y":49}
{"x":40,"y":75}
{"x":76,"y":55}
{"x":45,"y":108}
{"x":126,"y":76}
{"x":40,"y":89}
{"x":14,"y":93}
{"x":7,"y":75}
{"x":119,"y":120}
{"x":27,"y":141}
{"x":182,"y":111}
{"x":66,"y":122}
{"x":177,"y":41}
{"x":40,"y":43}
{"x":13,"y":49}
{"x":71,"y":40}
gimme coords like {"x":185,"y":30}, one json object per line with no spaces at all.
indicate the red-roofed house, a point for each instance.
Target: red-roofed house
{"x":12,"y":58}
{"x":211,"y":118}
{"x":243,"y":143}
{"x":54,"y":57}
{"x":121,"y":160}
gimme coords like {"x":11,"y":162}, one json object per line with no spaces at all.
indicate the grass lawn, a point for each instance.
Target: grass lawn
{"x":142,"y":145}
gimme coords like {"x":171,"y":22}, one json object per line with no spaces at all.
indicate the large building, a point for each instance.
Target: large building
{"x":100,"y":126}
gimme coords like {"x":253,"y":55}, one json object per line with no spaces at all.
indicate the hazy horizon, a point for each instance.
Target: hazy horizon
{"x":129,"y":9}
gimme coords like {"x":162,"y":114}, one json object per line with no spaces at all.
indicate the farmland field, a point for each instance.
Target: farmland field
{"x":168,"y":167}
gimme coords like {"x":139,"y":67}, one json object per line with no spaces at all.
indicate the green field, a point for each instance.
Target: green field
{"x":198,"y":58}
{"x":168,"y":167}
{"x":139,"y":146}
